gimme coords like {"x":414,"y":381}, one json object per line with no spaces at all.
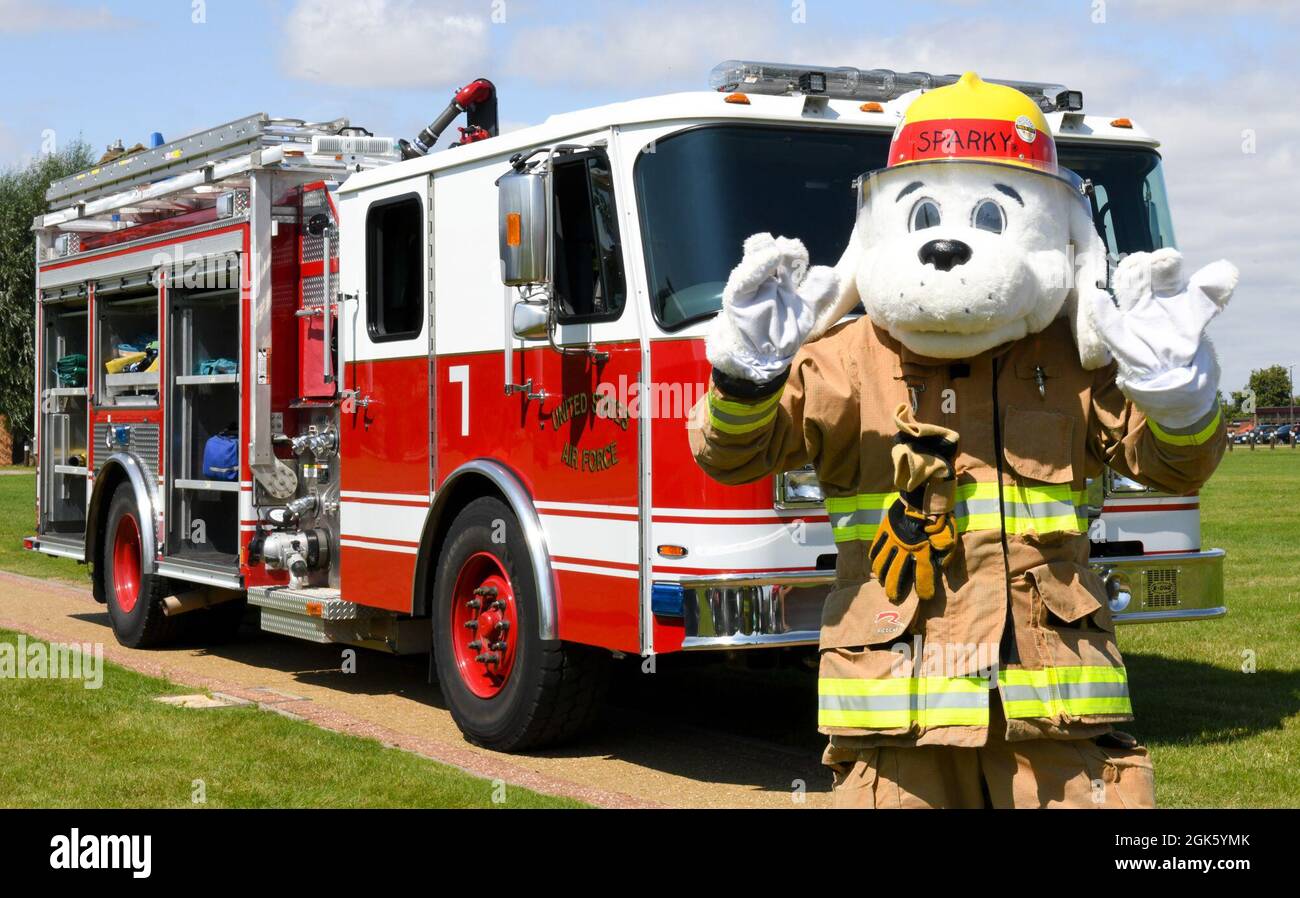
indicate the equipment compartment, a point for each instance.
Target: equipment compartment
{"x":126,"y":336}
{"x":64,"y":445}
{"x":203,"y":404}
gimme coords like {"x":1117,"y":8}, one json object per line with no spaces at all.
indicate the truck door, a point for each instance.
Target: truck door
{"x":586,"y":442}
{"x":384,"y":421}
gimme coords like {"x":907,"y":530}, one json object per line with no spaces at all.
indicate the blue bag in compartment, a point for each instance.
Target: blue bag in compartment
{"x":221,"y":456}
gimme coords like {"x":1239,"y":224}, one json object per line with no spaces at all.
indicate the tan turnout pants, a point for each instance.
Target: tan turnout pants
{"x":1040,"y":773}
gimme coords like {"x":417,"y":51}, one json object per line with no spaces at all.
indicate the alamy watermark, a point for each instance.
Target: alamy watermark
{"x":36,"y":660}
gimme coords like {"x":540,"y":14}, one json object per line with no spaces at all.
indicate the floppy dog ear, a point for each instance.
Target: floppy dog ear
{"x":846,"y":273}
{"x":1090,"y":269}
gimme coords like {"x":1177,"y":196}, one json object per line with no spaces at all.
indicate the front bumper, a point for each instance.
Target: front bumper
{"x":737,"y":611}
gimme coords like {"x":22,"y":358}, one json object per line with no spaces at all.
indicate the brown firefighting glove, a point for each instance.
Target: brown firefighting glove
{"x":923,"y":457}
{"x":910,"y":550}
{"x":916,"y":538}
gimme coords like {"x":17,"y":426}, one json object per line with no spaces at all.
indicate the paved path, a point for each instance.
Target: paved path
{"x":690,"y":735}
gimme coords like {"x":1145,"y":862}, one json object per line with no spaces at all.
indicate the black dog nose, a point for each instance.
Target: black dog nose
{"x":945,"y":254}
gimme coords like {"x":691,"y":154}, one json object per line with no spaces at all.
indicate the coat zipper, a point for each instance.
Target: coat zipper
{"x":1008,"y":649}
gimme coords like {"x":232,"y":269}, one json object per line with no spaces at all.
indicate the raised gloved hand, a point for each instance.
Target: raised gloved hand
{"x":1155,"y":329}
{"x":916,"y":538}
{"x":769,"y":306}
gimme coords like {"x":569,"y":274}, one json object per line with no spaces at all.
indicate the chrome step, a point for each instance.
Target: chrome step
{"x":319,"y":603}
{"x":319,"y":615}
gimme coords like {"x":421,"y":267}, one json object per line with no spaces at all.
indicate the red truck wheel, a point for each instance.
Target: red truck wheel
{"x":135,"y":594}
{"x":506,"y":688}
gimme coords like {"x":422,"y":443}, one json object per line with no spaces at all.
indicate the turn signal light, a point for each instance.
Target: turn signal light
{"x":672,"y":551}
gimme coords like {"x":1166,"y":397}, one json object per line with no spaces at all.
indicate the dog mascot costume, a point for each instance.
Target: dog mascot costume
{"x":968,"y":654}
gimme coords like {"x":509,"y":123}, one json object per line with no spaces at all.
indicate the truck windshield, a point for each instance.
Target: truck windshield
{"x":702,"y":191}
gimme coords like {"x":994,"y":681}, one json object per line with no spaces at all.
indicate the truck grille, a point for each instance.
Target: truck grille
{"x":1162,"y":588}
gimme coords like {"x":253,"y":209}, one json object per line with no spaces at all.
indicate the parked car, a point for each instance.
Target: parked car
{"x":1286,"y":433}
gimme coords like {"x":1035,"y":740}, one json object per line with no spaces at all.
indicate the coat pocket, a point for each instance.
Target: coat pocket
{"x":859,"y":614}
{"x":1039,"y":445}
{"x":1068,"y":595}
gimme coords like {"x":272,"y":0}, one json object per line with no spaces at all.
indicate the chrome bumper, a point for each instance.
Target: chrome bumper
{"x":1151,"y":588}
{"x":739,"y":611}
{"x":784,"y":609}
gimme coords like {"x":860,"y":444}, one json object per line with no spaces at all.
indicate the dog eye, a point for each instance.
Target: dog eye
{"x":925,"y":214}
{"x":988,"y":216}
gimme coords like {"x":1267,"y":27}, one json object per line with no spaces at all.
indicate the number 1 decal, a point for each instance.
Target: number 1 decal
{"x":459,"y":374}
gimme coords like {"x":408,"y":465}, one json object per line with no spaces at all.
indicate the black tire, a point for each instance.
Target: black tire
{"x":554,"y":690}
{"x":140,"y":622}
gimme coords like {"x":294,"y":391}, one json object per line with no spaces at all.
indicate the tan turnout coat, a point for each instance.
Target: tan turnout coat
{"x":1034,"y":426}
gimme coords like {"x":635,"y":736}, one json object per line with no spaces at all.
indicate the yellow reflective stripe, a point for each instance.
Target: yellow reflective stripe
{"x":734,"y":407}
{"x":1187,"y":439}
{"x":1075,"y":707}
{"x":902,"y":702}
{"x":899,"y":685}
{"x":734,"y":417}
{"x":1065,"y":691}
{"x":977,"y":506}
{"x":1019,"y":676}
{"x":902,"y":720}
{"x":728,"y":427}
{"x":1047,"y":525}
{"x":858,"y":517}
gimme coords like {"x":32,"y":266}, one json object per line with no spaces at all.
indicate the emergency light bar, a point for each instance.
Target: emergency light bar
{"x":849,"y":83}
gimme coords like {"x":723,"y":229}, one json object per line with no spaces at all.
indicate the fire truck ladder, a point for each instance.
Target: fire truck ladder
{"x":256,"y":133}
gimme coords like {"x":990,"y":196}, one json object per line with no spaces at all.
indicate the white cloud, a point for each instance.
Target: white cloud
{"x":25,"y":17}
{"x":640,"y":48}
{"x":1243,"y":207}
{"x":385,"y":43}
{"x":1208,"y":8}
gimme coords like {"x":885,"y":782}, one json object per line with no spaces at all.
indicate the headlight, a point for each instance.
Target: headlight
{"x":1119,"y":594}
{"x":799,"y":488}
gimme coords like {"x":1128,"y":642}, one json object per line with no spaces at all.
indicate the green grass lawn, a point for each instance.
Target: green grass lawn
{"x":64,"y":745}
{"x":1222,"y":737}
{"x":18,"y":519}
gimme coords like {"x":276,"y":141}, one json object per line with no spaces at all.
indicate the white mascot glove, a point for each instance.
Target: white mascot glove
{"x":769,"y":306}
{"x":1157,"y":333}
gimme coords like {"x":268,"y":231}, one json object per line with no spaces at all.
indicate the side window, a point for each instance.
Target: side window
{"x":395,"y":269}
{"x":588,"y":259}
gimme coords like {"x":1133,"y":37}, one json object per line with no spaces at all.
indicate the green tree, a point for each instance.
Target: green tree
{"x":1272,"y":386}
{"x":22,"y":198}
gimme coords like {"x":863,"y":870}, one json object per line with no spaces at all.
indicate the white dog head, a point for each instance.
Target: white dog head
{"x":954,"y":257}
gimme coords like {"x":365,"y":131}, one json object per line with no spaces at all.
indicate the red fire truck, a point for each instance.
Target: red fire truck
{"x":435,"y":401}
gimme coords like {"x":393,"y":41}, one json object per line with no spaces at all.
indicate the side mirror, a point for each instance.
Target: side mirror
{"x":521,"y":199}
{"x":529,"y":320}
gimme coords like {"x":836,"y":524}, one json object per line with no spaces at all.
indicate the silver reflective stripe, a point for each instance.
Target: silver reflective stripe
{"x":1041,"y":509}
{"x":738,"y":419}
{"x":1065,"y":691}
{"x":868,"y":516}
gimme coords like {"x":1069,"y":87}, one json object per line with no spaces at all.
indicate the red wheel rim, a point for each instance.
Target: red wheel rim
{"x":484,"y":625}
{"x":126,"y":563}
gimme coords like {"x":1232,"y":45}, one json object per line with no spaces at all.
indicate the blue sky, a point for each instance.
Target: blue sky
{"x":1202,"y":75}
